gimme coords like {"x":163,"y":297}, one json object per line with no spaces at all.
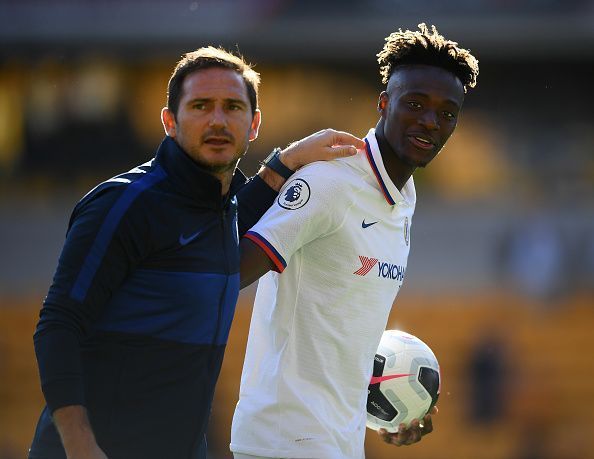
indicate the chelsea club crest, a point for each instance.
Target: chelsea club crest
{"x":406,"y":231}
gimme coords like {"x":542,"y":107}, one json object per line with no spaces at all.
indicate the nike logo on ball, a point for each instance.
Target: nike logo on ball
{"x":367,"y":225}
{"x":186,"y":240}
{"x":379,"y":379}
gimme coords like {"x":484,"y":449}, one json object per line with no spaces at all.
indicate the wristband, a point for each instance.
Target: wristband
{"x":273,"y":162}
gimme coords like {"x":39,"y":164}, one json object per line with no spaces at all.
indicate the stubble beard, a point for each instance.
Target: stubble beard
{"x":219,"y":168}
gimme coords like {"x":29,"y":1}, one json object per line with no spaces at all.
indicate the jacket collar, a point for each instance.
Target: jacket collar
{"x":189,"y":177}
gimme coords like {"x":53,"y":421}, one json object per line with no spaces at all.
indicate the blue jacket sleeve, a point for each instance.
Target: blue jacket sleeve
{"x":253,"y":200}
{"x":103,"y":244}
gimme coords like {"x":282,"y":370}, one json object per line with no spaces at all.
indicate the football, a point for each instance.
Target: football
{"x":405,"y":384}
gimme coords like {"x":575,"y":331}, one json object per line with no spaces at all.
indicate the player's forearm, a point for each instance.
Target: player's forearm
{"x":272,"y":179}
{"x":76,"y":433}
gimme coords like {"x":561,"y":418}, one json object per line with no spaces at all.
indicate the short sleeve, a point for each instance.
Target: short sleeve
{"x":312,"y":204}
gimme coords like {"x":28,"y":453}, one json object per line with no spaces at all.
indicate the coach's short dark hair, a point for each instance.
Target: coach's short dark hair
{"x":205,"y":58}
{"x":426,"y":46}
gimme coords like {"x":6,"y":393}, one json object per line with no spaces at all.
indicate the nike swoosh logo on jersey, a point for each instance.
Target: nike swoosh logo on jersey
{"x":379,"y":379}
{"x":367,"y":225}
{"x":186,"y":240}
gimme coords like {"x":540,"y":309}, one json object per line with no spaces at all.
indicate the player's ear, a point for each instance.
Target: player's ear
{"x":168,"y":120}
{"x":256,"y":121}
{"x":382,"y":102}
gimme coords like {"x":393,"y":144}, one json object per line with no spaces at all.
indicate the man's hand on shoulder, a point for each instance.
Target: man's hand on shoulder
{"x":323,"y":145}
{"x":412,"y":434}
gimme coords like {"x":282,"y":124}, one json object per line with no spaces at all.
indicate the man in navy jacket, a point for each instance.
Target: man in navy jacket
{"x":132,"y":333}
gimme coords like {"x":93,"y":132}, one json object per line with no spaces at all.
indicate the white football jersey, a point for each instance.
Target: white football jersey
{"x":339,"y":236}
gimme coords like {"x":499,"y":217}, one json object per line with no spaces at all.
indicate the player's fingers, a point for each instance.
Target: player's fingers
{"x":396,"y":439}
{"x":427,"y":425}
{"x":401,"y":437}
{"x":414,"y":432}
{"x":342,"y":151}
{"x":345,"y":138}
{"x":388,"y":437}
{"x":383,"y":434}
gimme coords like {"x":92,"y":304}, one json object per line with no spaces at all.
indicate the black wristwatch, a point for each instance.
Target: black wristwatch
{"x":273,"y":162}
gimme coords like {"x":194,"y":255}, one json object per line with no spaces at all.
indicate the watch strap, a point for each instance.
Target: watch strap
{"x":273,"y":162}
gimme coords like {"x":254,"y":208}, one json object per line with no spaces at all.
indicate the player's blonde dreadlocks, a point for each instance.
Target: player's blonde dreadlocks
{"x":427,"y":47}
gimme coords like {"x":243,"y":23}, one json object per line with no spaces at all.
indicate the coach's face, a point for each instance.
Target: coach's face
{"x":214,"y":122}
{"x":420,"y":110}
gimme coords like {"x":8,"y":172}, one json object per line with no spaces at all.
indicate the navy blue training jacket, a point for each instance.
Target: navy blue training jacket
{"x":135,"y":323}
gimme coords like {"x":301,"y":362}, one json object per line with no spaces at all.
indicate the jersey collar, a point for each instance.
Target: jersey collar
{"x":389,"y":190}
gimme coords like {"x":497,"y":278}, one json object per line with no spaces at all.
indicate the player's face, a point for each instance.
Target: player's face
{"x":420,"y":110}
{"x":214,"y":122}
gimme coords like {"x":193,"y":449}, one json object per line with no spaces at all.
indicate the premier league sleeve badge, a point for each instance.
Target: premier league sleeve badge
{"x":295,"y":195}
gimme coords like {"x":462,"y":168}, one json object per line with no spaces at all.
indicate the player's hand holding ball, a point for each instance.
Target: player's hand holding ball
{"x":412,"y":434}
{"x":404,"y":389}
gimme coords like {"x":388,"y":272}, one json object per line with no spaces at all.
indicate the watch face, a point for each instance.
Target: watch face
{"x":272,"y":154}
{"x":273,"y":162}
